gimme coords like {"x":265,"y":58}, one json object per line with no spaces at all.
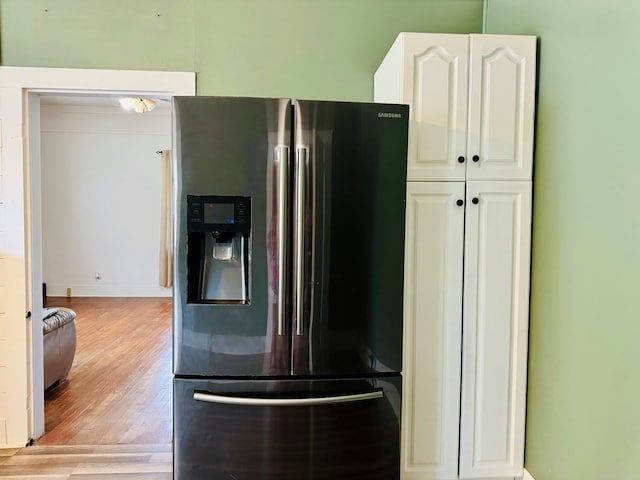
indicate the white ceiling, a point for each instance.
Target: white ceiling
{"x":93,"y":100}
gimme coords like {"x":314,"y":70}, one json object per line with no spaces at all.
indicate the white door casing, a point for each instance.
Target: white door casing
{"x":21,"y":390}
{"x":14,"y":414}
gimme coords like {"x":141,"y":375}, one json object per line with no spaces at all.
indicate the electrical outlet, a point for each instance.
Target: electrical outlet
{"x":68,"y":292}
{"x":98,"y":276}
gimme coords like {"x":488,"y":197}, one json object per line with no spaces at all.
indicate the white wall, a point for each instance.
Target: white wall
{"x":101,"y":193}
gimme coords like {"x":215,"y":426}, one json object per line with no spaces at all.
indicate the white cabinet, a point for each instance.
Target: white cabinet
{"x":472,"y":103}
{"x":429,"y":72}
{"x":432,"y":336}
{"x":495,"y":325}
{"x":468,"y":250}
{"x":473,"y":429}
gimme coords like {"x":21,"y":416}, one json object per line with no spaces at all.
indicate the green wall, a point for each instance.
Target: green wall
{"x":584,"y":384}
{"x":583,"y":417}
{"x":323,"y":49}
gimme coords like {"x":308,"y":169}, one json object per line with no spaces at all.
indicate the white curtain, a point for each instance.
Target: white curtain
{"x":166,"y":225}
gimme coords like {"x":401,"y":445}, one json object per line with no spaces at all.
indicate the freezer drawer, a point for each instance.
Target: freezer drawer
{"x":287,"y":430}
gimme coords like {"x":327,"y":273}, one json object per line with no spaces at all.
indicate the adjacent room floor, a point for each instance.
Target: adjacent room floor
{"x":119,"y":388}
{"x":113,"y":417}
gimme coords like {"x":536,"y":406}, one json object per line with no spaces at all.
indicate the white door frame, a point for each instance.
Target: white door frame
{"x":21,"y":368}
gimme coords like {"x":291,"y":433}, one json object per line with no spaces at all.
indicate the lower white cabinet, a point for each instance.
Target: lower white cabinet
{"x":465,"y":342}
{"x":432,"y":330}
{"x":495,"y":325}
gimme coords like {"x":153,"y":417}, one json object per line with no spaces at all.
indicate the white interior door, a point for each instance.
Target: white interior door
{"x":21,"y":389}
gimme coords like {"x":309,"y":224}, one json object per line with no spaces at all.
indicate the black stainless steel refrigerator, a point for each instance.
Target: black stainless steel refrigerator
{"x":288,"y":288}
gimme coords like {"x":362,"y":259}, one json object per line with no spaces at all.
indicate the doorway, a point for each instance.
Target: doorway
{"x":20,"y":91}
{"x":102,"y":171}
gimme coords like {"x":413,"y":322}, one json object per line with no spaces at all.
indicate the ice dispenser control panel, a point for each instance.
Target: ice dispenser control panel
{"x":218,"y":213}
{"x":218,"y":249}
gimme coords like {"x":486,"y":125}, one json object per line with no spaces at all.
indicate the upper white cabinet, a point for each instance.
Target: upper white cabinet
{"x":430,"y":73}
{"x":502,"y":74}
{"x":472,"y":103}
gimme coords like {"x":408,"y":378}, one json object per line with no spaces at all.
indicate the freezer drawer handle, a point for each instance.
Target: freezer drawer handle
{"x":282,"y":155}
{"x":286,"y":402}
{"x":301,"y":163}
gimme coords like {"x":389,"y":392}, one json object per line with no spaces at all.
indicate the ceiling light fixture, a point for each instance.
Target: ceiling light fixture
{"x":139,"y":105}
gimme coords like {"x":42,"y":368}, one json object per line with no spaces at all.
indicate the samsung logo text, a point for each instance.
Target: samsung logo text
{"x":389,"y":115}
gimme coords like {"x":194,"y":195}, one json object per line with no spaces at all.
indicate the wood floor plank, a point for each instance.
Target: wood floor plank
{"x":8,"y":452}
{"x":38,"y":477}
{"x":74,"y":460}
{"x":123,"y":476}
{"x":34,"y":470}
{"x":95,"y":449}
{"x":121,"y":468}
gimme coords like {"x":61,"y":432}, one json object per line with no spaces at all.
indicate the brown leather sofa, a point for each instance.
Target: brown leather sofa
{"x":59,"y":338}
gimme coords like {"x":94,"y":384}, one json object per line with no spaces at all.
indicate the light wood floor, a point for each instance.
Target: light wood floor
{"x":119,"y":389}
{"x":65,"y":462}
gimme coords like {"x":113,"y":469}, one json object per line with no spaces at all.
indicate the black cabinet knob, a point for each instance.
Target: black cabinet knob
{"x":475,"y":200}
{"x":459,"y":203}
{"x":460,"y":159}
{"x":475,"y":158}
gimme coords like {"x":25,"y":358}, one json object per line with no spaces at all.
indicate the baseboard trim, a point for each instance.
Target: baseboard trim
{"x":527,"y":475}
{"x":54,"y":290}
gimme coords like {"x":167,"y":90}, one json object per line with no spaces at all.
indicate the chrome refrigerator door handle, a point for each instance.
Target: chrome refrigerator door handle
{"x":301,"y":164}
{"x":286,"y":402}
{"x":282,"y":158}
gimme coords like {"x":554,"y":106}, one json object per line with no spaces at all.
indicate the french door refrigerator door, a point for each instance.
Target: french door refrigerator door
{"x":349,"y":196}
{"x":287,"y":429}
{"x":231,"y":153}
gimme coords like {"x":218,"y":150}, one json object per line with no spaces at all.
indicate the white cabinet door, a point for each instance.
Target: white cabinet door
{"x":495,"y":325}
{"x":502,"y":77}
{"x":432,"y":330}
{"x":435,"y":85}
{"x":472,"y":101}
